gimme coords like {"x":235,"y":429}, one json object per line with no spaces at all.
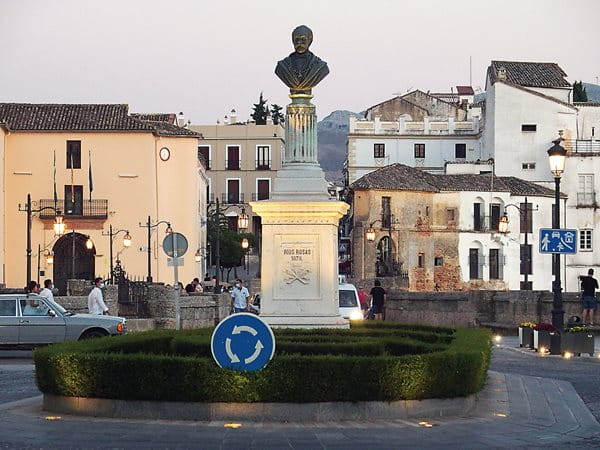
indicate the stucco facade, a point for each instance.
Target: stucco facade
{"x":131,"y":181}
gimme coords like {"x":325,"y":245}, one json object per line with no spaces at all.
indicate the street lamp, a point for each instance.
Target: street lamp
{"x":556,"y":157}
{"x":149,"y":226}
{"x":243,"y":220}
{"x":198,"y":256}
{"x":503,"y":228}
{"x":89,"y":244}
{"x":59,"y":228}
{"x":370,"y":233}
{"x":49,"y":257}
{"x":126,"y":243}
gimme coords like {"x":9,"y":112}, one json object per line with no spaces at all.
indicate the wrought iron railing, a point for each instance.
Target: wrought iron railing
{"x":256,"y":196}
{"x":232,"y":164}
{"x":233,"y":198}
{"x":263,"y":164}
{"x":582,"y":145}
{"x":586,"y":199}
{"x":88,"y":209}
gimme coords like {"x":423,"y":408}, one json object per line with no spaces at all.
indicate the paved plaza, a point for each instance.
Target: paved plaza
{"x":530,"y":401}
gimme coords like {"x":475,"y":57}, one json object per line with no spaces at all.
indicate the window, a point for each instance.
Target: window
{"x":526,"y":218}
{"x":419,"y":150}
{"x":460,"y":150}
{"x":233,"y":191}
{"x":74,"y":154}
{"x":494,"y":263}
{"x":204,"y":156}
{"x":386,"y":212}
{"x":477,"y":222}
{"x":438,"y":261}
{"x":528,"y":166}
{"x":494,"y":216}
{"x":379,"y":150}
{"x":585,"y":190}
{"x":474,"y":272}
{"x":263,"y":187}
{"x":585,"y":240}
{"x":233,"y":157}
{"x":528,"y":127}
{"x":73,"y":200}
{"x":7,"y":307}
{"x":450,"y":216}
{"x":421,"y":260}
{"x":263,"y":157}
{"x":427,"y":211}
{"x":526,"y":259}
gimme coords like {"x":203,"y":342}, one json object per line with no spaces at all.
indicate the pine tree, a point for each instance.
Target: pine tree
{"x":579,"y":92}
{"x":276,"y":114}
{"x":260,"y":111}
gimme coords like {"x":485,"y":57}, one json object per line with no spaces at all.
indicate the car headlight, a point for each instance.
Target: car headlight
{"x":356,"y":315}
{"x":120,"y":327}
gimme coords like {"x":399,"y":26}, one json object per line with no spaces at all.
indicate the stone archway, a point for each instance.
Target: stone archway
{"x":72,"y":260}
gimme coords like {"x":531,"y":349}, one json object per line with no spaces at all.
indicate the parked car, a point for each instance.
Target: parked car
{"x":349,"y":304}
{"x":27,"y":320}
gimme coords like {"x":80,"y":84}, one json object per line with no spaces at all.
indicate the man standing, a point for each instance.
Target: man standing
{"x":589,"y":285}
{"x":96,"y":303}
{"x":240,"y":295}
{"x":378,"y":297}
{"x":47,"y":291}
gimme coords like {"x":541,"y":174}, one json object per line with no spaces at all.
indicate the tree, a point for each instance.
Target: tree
{"x":260,"y":111}
{"x":579,"y":92}
{"x":277,"y":115}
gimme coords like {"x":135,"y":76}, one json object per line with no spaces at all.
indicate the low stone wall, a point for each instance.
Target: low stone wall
{"x":78,"y":303}
{"x":475,"y":308}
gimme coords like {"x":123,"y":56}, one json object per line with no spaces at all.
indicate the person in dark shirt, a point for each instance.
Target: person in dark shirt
{"x":589,"y":285}
{"x":378,"y":297}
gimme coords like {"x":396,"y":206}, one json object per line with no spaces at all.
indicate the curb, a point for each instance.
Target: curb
{"x":260,"y":412}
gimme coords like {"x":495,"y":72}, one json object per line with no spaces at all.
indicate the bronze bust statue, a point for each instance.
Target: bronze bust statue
{"x":302,"y":70}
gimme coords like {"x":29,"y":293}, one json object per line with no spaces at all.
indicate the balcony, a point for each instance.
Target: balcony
{"x":582,"y":146}
{"x":586,"y":200}
{"x":232,"y":164}
{"x":486,"y":224}
{"x":232,"y":198}
{"x":257,"y":196}
{"x":87,"y":209}
{"x":263,"y":164}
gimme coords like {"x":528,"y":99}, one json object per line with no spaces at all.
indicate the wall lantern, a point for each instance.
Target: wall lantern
{"x":370,"y":234}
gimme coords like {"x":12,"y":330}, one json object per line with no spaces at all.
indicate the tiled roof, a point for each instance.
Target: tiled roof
{"x":465,"y":90}
{"x":156,"y":117}
{"x":531,"y":74}
{"x":398,"y":177}
{"x":80,"y":117}
{"x":591,"y":104}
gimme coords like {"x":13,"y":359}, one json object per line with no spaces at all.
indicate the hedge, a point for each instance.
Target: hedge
{"x":376,"y":366}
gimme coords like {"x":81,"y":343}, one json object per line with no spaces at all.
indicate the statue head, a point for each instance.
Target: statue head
{"x":302,"y":37}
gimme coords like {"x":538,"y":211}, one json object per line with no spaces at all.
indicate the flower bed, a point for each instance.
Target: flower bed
{"x":542,"y":336}
{"x":577,"y":340}
{"x":366,"y":363}
{"x":526,"y":334}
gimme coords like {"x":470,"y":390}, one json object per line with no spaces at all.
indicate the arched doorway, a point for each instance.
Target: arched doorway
{"x":385,"y":259}
{"x":72,"y":260}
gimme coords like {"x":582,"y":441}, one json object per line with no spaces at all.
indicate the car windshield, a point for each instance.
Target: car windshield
{"x":348,"y":299}
{"x":56,"y":307}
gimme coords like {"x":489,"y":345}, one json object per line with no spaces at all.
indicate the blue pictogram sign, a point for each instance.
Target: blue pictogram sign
{"x":558,"y":241}
{"x":242,"y":341}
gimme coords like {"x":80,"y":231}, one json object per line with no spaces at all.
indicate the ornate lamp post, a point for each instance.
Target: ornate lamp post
{"x":126,"y":243}
{"x":556,"y":157}
{"x":149,"y":226}
{"x":59,"y":228}
{"x":503,"y":228}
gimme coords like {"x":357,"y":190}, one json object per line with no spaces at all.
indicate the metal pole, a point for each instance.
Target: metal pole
{"x":218,"y":249}
{"x":28,"y":239}
{"x":526,"y":245}
{"x":176,"y":283}
{"x":149,"y":278}
{"x":73,"y":255}
{"x":110,"y":234}
{"x":38,"y":261}
{"x":557,"y":305}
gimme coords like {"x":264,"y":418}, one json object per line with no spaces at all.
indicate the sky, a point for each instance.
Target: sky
{"x":205,"y":58}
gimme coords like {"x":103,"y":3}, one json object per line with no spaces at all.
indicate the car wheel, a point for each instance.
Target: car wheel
{"x":92,"y":334}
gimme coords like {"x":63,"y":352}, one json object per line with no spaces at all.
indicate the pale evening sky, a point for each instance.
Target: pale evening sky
{"x":206,"y":57}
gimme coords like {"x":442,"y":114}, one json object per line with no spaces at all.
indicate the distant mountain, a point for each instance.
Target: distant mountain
{"x":332,"y":133}
{"x":593,"y":92}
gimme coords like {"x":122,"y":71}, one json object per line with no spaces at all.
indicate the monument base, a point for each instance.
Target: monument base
{"x":300,"y":182}
{"x":306,"y":321}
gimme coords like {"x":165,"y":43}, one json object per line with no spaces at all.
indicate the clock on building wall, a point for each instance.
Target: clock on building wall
{"x":164,"y":153}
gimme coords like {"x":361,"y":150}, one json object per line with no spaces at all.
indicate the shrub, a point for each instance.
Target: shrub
{"x":375,"y":363}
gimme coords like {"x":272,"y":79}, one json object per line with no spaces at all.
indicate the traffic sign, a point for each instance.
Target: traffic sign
{"x":181,"y":244}
{"x":558,"y":241}
{"x":171,"y":262}
{"x":242,"y":341}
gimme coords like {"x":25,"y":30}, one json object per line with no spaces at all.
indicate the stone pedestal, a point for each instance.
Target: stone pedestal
{"x":299,"y":283}
{"x":299,"y":266}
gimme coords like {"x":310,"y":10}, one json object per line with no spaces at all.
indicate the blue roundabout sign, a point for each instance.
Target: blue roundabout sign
{"x":242,"y":341}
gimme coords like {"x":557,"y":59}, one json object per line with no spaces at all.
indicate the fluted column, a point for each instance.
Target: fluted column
{"x":300,"y":131}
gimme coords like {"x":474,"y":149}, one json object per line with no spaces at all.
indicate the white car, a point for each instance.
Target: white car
{"x":349,"y":303}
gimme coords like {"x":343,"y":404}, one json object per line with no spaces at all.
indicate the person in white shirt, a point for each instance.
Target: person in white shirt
{"x":47,"y":291}
{"x":96,"y":304}
{"x":240,"y":295}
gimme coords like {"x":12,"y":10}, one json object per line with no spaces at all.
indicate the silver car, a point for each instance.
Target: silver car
{"x":27,"y":320}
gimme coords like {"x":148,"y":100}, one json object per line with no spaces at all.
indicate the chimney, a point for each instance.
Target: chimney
{"x":232,"y":117}
{"x":502,"y":73}
{"x":180,"y":119}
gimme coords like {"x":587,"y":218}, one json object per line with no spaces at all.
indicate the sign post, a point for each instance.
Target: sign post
{"x":558,"y":241}
{"x":175,"y":245}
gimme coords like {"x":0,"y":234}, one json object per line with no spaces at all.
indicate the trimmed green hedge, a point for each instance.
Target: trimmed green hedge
{"x":376,"y":362}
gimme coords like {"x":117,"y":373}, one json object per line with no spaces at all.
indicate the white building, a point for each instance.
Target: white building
{"x":527,"y":106}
